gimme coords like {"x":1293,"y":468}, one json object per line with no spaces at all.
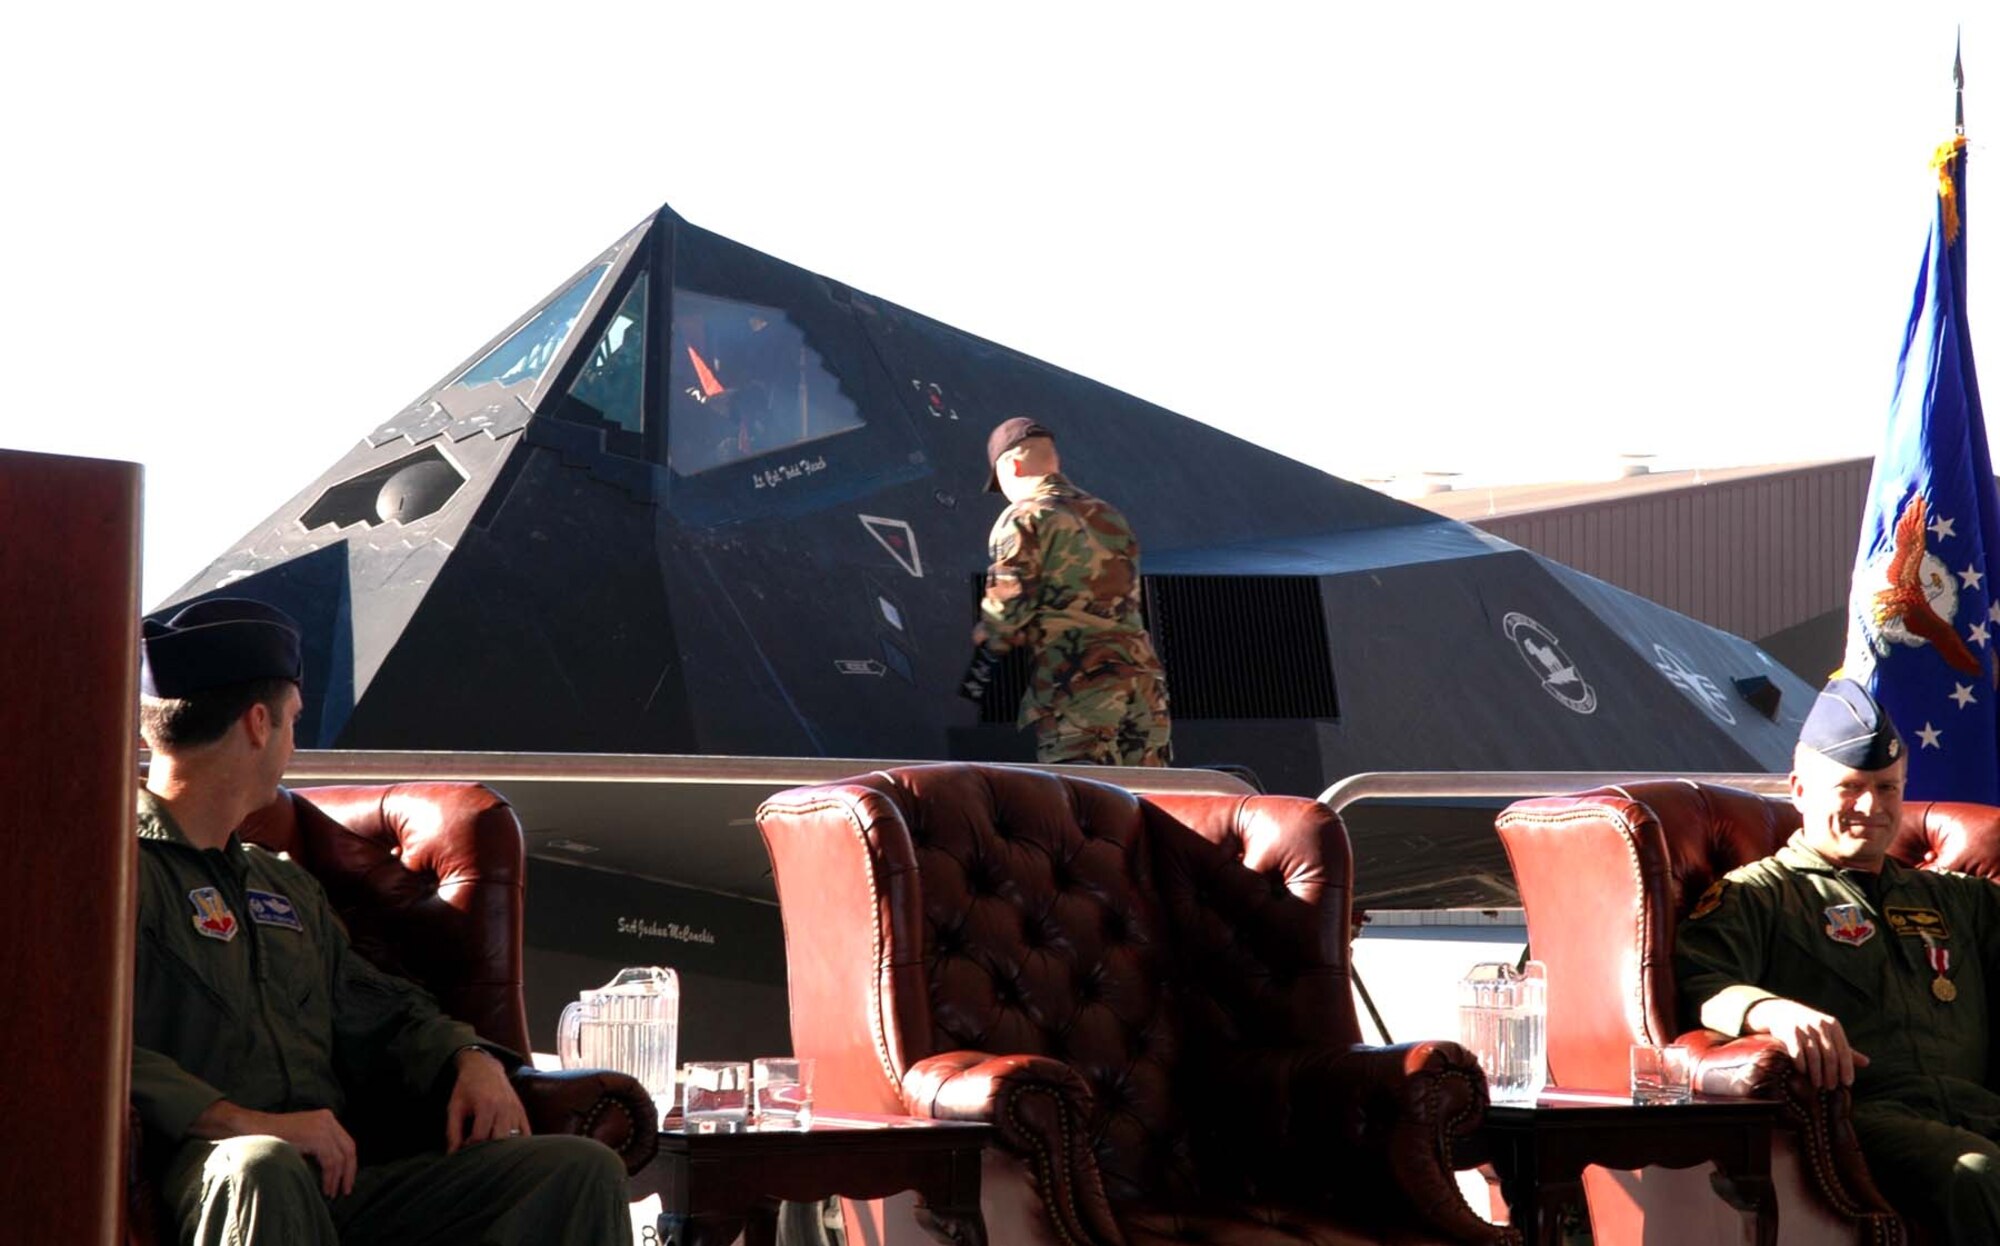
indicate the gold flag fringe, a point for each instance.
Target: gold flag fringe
{"x":1942,"y":161}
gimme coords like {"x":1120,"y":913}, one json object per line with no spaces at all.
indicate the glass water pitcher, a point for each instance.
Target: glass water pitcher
{"x":631,"y":1024}
{"x":1503,"y":1020}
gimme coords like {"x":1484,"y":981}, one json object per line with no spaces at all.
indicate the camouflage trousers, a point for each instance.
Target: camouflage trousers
{"x":1112,"y":719}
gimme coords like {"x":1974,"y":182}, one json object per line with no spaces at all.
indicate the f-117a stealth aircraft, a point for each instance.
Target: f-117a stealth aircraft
{"x":702,"y":501}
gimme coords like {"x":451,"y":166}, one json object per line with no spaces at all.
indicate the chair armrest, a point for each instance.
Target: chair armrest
{"x":1040,"y":1110}
{"x":1755,"y":1066}
{"x":609,"y":1106}
{"x":1376,"y":1127}
{"x":1758,"y":1066}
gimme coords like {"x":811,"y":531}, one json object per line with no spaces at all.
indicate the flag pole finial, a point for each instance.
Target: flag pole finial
{"x":1958,"y":77}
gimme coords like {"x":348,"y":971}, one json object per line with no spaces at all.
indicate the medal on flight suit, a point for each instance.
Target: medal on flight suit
{"x":1940,"y":957}
{"x":1928,"y":925}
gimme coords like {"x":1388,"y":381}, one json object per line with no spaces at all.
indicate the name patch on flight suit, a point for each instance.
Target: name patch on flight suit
{"x":1928,"y":923}
{"x":268,"y":908}
{"x":211,"y":914}
{"x":1849,"y":924}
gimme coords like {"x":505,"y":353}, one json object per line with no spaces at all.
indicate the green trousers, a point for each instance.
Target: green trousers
{"x":1947,"y":1175}
{"x":259,"y":1191}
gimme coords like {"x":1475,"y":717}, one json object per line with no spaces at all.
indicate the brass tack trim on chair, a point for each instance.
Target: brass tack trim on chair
{"x":605,"y":1104}
{"x":1045,"y":1164}
{"x":1474,"y":1098}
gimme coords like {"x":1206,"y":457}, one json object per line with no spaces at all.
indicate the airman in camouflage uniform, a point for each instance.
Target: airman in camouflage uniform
{"x":1873,"y":976}
{"x":1064,"y":580}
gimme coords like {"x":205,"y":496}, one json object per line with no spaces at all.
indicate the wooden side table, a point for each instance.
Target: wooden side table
{"x":1540,"y":1152}
{"x":714,"y":1185}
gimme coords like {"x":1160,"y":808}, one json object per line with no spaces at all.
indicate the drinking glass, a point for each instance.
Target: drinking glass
{"x":1662,"y":1074}
{"x":715,"y":1095}
{"x":784,"y":1092}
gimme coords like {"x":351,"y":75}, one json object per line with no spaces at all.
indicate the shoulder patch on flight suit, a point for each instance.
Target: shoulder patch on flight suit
{"x":1928,"y":923}
{"x":1849,"y":924}
{"x":1710,"y":899}
{"x":268,"y":908}
{"x":211,"y":914}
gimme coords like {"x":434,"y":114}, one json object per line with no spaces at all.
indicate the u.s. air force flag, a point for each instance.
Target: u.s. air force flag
{"x":1923,"y":624}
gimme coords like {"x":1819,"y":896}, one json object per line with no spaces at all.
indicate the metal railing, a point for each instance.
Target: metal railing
{"x":1418,"y":785}
{"x":397,"y":765}
{"x":1521,"y":784}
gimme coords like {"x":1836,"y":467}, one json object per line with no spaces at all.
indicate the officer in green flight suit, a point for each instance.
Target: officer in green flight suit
{"x":1873,"y":976}
{"x":253,"y":1016}
{"x":1064,"y":581}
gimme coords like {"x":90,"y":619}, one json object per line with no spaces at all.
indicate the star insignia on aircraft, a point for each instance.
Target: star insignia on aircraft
{"x":1930,"y":736}
{"x":1978,"y":635}
{"x":1971,"y":576}
{"x":1962,"y":694}
{"x":1941,"y":528}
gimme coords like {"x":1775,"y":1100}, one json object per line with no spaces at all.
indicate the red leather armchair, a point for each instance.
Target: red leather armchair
{"x":1605,"y":877}
{"x":1148,"y":997}
{"x":428,"y":879}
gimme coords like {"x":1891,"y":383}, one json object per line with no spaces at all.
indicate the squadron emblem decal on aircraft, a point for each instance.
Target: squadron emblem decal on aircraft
{"x":899,"y":538}
{"x":1694,"y":683}
{"x":1539,"y":648}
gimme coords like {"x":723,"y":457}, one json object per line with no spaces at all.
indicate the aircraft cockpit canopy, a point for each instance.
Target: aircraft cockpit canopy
{"x":530,"y":349}
{"x":745,"y":381}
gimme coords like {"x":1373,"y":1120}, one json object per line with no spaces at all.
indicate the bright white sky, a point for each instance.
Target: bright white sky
{"x":1507,"y":240}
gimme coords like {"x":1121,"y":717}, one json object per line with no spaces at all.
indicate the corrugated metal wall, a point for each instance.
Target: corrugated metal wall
{"x":1753,"y":555}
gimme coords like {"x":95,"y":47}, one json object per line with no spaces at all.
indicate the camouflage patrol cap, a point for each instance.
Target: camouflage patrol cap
{"x":1849,"y":726}
{"x":1005,"y":436}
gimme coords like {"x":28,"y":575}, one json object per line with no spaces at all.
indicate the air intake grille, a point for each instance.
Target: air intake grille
{"x":1242,"y":646}
{"x":1234,"y":646}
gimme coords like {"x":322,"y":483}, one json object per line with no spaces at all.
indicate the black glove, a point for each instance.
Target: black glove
{"x":979,"y":673}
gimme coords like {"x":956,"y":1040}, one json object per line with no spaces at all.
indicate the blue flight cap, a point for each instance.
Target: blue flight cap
{"x":214,"y":643}
{"x":1846,"y":725}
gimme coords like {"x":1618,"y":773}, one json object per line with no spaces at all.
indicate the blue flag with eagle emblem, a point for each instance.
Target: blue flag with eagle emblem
{"x":1922,"y":620}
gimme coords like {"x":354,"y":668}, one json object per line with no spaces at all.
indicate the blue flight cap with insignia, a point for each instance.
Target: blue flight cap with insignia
{"x":1846,"y":725}
{"x":214,"y":643}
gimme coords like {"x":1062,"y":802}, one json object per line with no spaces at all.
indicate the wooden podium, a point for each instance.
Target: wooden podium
{"x":69,"y":625}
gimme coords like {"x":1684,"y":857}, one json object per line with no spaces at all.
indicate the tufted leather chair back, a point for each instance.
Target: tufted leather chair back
{"x":1258,"y":901}
{"x":1026,"y":913}
{"x":428,"y":878}
{"x":1042,"y":935}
